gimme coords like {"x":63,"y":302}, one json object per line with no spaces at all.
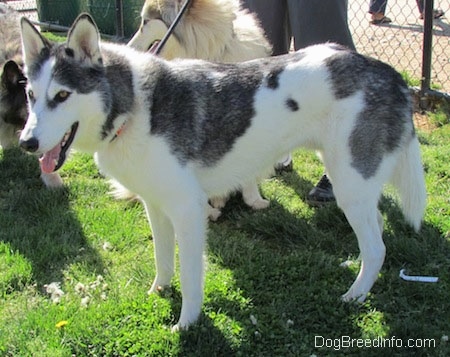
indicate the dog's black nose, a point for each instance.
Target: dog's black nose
{"x":30,"y":145}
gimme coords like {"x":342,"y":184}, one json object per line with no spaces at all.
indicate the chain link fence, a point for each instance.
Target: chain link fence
{"x":420,"y":47}
{"x":399,"y":43}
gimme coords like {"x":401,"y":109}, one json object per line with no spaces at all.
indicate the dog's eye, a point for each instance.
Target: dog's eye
{"x":61,"y":96}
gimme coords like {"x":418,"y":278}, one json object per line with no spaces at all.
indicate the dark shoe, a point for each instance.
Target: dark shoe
{"x":321,"y":193}
{"x":437,"y":14}
{"x":383,"y":20}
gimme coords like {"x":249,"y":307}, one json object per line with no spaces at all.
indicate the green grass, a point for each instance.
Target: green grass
{"x":273,"y":279}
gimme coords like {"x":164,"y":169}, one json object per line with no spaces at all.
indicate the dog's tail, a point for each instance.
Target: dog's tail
{"x":409,"y":180}
{"x":121,"y":193}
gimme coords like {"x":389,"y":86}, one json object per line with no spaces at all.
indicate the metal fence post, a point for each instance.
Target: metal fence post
{"x":426,"y":54}
{"x":119,"y":19}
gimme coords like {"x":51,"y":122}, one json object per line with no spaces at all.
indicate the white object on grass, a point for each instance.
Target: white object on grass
{"x":422,"y":279}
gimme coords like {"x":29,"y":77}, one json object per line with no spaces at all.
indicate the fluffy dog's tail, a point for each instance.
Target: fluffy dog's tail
{"x":409,"y":180}
{"x":121,"y":193}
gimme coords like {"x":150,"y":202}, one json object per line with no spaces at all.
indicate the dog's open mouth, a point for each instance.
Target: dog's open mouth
{"x":53,"y":160}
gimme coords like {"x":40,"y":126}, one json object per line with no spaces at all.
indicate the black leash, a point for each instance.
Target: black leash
{"x":169,"y":32}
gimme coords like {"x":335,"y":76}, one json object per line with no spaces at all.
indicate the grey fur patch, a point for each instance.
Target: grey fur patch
{"x":114,"y":81}
{"x":202,"y":115}
{"x":292,"y":104}
{"x":202,"y":110}
{"x":277,"y":66}
{"x":272,"y":78}
{"x":386,"y":121}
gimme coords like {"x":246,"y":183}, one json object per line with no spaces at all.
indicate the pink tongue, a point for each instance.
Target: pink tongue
{"x":49,"y":160}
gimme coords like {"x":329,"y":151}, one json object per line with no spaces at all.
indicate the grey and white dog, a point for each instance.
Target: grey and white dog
{"x":212,"y":30}
{"x":179,"y":132}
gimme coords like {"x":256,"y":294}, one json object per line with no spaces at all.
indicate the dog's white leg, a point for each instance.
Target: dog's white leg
{"x":365,"y":221}
{"x":164,"y":242}
{"x":213,"y":213}
{"x":358,"y":198}
{"x":218,"y":202}
{"x":252,"y":197}
{"x":215,"y":207}
{"x":51,"y":180}
{"x":380,"y":221}
{"x":190,"y":231}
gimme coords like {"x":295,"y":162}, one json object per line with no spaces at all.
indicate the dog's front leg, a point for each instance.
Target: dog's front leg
{"x":52,"y":180}
{"x":164,"y":242}
{"x":190,"y":223}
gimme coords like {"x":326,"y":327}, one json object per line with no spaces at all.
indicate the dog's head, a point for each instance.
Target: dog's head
{"x":156,"y":18}
{"x":62,"y":83}
{"x":205,"y":28}
{"x":13,"y":101}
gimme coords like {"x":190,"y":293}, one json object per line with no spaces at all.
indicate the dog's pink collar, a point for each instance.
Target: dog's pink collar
{"x":118,"y":131}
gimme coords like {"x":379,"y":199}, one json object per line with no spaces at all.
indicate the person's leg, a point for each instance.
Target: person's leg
{"x":420,"y":6}
{"x":314,"y":22}
{"x":377,"y":8}
{"x":318,"y":21}
{"x":437,"y":13}
{"x":272,"y":15}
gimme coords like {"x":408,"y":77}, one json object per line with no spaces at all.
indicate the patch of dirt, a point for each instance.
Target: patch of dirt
{"x":422,"y":122}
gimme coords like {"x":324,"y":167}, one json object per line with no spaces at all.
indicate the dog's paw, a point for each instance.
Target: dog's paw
{"x":218,"y":202}
{"x":186,"y":321}
{"x":352,"y":296}
{"x":162,"y":290}
{"x":52,"y":180}
{"x":214,"y":213}
{"x":260,"y":203}
{"x":177,"y":328}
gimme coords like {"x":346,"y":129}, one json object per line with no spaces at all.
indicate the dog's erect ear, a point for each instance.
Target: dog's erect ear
{"x":33,"y":44}
{"x":12,"y":76}
{"x":84,"y":40}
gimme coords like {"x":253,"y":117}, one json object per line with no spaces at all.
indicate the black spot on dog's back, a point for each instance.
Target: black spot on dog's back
{"x":292,"y":104}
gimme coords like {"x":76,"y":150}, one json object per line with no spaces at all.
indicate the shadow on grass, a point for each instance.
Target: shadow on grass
{"x":288,"y":267}
{"x":204,"y":339}
{"x":38,"y":223}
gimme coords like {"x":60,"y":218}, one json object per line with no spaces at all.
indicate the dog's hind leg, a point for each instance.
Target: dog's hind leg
{"x":358,"y":197}
{"x":252,"y":197}
{"x":164,"y":242}
{"x":213,"y":213}
{"x":366,"y":222}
